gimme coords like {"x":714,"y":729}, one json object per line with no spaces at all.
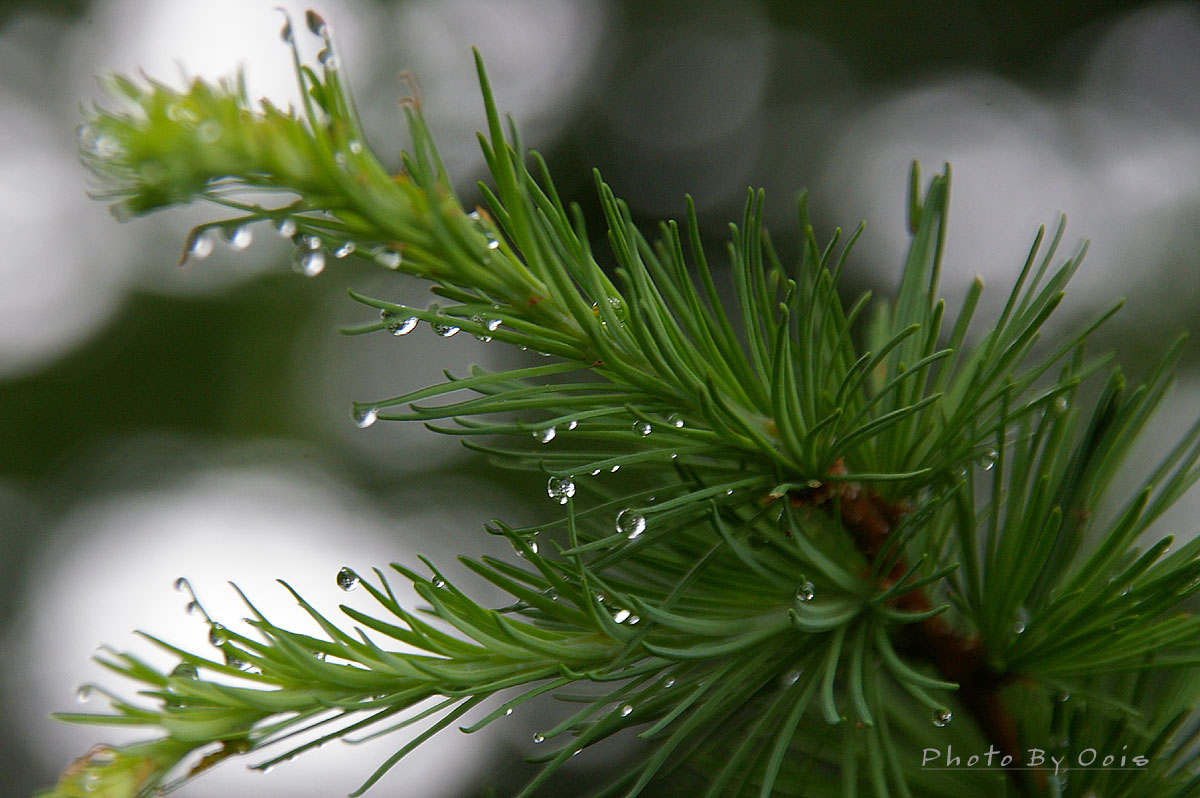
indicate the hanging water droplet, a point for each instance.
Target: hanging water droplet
{"x":364,"y":416}
{"x":233,"y":660}
{"x":438,"y":582}
{"x":544,"y":435}
{"x":1060,"y":403}
{"x":238,"y":237}
{"x":492,"y":241}
{"x":805,"y":591}
{"x":481,"y":336}
{"x":942,"y":716}
{"x":621,"y":616}
{"x":561,"y":489}
{"x":83,"y":693}
{"x":531,"y":542}
{"x":507,"y":711}
{"x":286,"y":227}
{"x":184,"y":670}
{"x":631,"y":523}
{"x":442,"y":329}
{"x":670,"y":682}
{"x":492,"y":324}
{"x":572,"y":424}
{"x":538,"y":737}
{"x":989,"y":458}
{"x":634,"y":619}
{"x":729,"y":492}
{"x":388,"y":258}
{"x":595,"y":472}
{"x":201,"y":246}
{"x":1021,"y":621}
{"x":614,"y":469}
{"x":345,"y":250}
{"x":675,"y":420}
{"x":328,"y":59}
{"x":101,"y":756}
{"x":355,"y":146}
{"x":397,"y":325}
{"x":315,"y":22}
{"x":310,"y":262}
{"x":347,"y":580}
{"x":642,"y":428}
{"x":1063,"y":696}
{"x":217,"y":636}
{"x":789,"y":678}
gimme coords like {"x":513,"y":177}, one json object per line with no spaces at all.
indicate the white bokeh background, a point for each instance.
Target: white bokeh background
{"x":708,"y":103}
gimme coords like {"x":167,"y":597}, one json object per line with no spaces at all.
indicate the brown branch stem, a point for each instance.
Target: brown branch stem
{"x":958,"y":657}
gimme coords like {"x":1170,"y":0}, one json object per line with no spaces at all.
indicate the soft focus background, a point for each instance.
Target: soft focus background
{"x":158,"y":422}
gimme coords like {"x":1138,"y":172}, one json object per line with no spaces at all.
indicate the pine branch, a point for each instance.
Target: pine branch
{"x":844,"y":527}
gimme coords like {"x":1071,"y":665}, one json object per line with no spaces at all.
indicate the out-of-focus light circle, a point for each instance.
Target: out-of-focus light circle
{"x":57,"y":290}
{"x":109,"y":567}
{"x":538,"y":54}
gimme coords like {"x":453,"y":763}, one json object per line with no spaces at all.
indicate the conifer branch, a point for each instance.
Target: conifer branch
{"x":846,"y":523}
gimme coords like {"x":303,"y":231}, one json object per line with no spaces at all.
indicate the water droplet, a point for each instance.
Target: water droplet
{"x":364,"y":416}
{"x":544,"y":435}
{"x":388,"y":258}
{"x":1022,"y":620}
{"x":444,"y":330}
{"x":631,"y":523}
{"x":355,"y":146}
{"x":561,"y":489}
{"x":538,"y":737}
{"x":397,"y":325}
{"x":285,"y":33}
{"x":642,"y":428}
{"x":1063,"y":696}
{"x":286,"y":227}
{"x":83,"y":693}
{"x":438,"y":582}
{"x":572,"y":424}
{"x":492,"y":241}
{"x":202,"y":245}
{"x":310,"y":262}
{"x":492,"y":324}
{"x":209,"y":131}
{"x":507,"y":711}
{"x":1060,"y":403}
{"x":233,"y":660}
{"x":805,"y":591}
{"x":729,"y":492}
{"x":595,"y":472}
{"x":531,"y":542}
{"x":634,"y":619}
{"x":184,"y":670}
{"x":942,"y":716}
{"x":621,"y":616}
{"x":789,"y":678}
{"x":217,"y":636}
{"x":328,"y":59}
{"x":345,"y":250}
{"x":347,"y":580}
{"x":670,"y":682}
{"x":315,"y":22}
{"x":238,"y":237}
{"x":614,"y":469}
{"x":989,"y":458}
{"x":90,"y":781}
{"x":102,"y":756}
{"x":675,"y":420}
